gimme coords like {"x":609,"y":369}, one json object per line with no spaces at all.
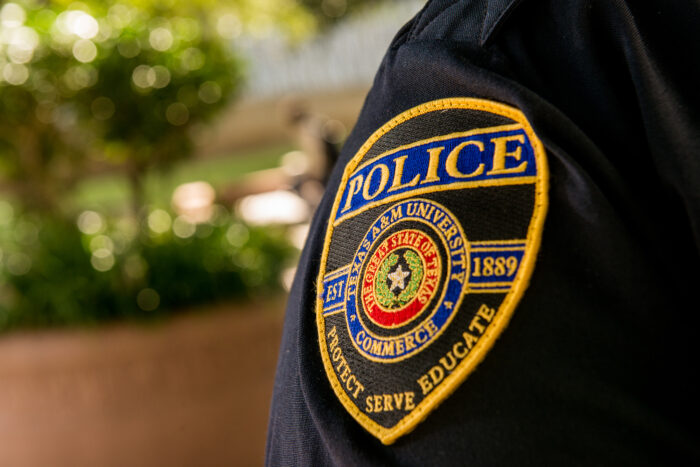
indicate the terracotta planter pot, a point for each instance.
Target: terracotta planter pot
{"x":194,"y":390}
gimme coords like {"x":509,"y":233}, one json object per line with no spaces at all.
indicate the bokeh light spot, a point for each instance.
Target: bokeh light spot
{"x":161,"y":39}
{"x":12,"y":15}
{"x":237,"y":235}
{"x":120,"y":15}
{"x":90,"y":222}
{"x":194,"y":201}
{"x":22,"y":42}
{"x":249,"y":258}
{"x":143,"y":76}
{"x":161,"y":76}
{"x":84,"y":50}
{"x":183,"y":228}
{"x":15,"y":73}
{"x":192,"y":59}
{"x":159,"y":221}
{"x":177,"y":114}
{"x":101,"y":242}
{"x":148,"y":299}
{"x":210,"y":92}
{"x":80,"y":76}
{"x":106,"y":31}
{"x":18,"y":264}
{"x":82,"y":24}
{"x":102,"y":260}
{"x":274,"y":207}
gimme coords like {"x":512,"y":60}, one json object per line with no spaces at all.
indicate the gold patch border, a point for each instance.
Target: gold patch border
{"x":480,"y":291}
{"x":502,"y":317}
{"x":457,"y":134}
{"x":338,"y":272}
{"x":488,"y":243}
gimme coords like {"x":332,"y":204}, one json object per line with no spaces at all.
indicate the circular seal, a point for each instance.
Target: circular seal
{"x":406,"y":280}
{"x":400,"y":278}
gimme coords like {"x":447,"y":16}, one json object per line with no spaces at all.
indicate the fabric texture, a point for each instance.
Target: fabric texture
{"x":597,"y":364}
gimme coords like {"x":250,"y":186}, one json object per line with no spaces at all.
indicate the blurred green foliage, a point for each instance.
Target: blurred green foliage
{"x":120,"y":87}
{"x":121,"y":84}
{"x":56,"y":273}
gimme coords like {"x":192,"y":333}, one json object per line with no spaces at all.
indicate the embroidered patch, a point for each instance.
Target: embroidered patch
{"x":430,"y":245}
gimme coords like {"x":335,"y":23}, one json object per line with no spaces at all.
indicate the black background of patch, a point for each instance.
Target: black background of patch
{"x":433,"y":124}
{"x":485,"y":213}
{"x":387,"y":378}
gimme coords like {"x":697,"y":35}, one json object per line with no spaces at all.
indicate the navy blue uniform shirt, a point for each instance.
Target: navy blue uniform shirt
{"x":598,"y":363}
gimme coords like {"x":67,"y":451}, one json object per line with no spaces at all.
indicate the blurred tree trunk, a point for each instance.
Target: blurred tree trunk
{"x":135,"y":173}
{"x":34,"y":187}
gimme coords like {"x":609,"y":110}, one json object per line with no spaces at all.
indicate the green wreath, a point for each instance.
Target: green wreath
{"x":384,"y":295}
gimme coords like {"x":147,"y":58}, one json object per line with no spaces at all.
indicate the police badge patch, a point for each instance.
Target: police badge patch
{"x":430,"y":245}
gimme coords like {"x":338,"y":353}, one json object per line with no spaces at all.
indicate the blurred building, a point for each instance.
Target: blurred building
{"x":331,"y":72}
{"x":346,"y":56}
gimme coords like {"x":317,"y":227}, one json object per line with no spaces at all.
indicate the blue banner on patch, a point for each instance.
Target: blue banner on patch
{"x":334,"y":290}
{"x":458,"y":160}
{"x":494,"y":265}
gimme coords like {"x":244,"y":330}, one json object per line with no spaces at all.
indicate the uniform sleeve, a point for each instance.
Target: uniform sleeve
{"x":595,"y":366}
